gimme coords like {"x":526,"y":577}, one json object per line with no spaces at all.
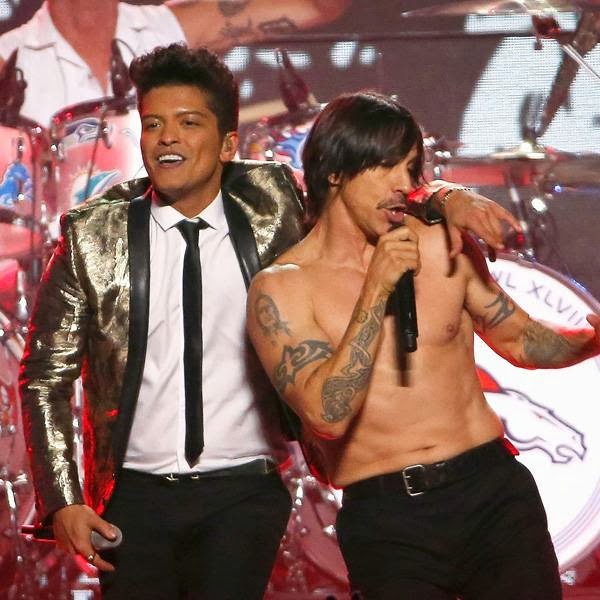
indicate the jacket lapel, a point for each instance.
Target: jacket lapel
{"x":242,"y":238}
{"x":138,"y":237}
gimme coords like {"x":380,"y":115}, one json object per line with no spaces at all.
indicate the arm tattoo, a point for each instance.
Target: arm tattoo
{"x":236,"y":32}
{"x":267,"y":316}
{"x":504,"y":307}
{"x":544,"y":347}
{"x":230,"y":8}
{"x":294,"y":359}
{"x":279,"y":26}
{"x":338,"y":392}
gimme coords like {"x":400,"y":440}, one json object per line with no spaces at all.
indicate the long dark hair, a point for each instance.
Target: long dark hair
{"x":355,"y":132}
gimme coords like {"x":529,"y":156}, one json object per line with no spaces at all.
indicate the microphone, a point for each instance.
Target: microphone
{"x":12,"y":90}
{"x":119,"y":72}
{"x":99,"y":542}
{"x":402,"y":301}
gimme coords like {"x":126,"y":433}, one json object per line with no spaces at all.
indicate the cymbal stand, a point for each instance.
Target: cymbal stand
{"x":291,"y":550}
{"x":521,"y":212}
{"x":25,"y":583}
{"x":547,"y":27}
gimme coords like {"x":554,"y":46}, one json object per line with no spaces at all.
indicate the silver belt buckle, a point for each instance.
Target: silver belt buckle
{"x":406,"y":477}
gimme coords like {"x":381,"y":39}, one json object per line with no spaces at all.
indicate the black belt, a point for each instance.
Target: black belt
{"x":415,"y":480}
{"x":260,"y":466}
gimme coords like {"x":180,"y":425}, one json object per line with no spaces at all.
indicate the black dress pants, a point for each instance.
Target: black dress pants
{"x":213,"y":538}
{"x":482,"y":538}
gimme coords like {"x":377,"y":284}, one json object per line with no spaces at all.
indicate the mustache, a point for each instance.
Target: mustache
{"x":399,"y":201}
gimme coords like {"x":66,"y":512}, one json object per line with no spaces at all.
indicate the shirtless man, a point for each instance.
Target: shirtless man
{"x":435,"y":505}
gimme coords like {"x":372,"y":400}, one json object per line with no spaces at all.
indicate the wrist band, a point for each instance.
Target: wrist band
{"x":447,"y":193}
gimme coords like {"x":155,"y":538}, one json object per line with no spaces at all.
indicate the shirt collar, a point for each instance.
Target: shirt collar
{"x":44,"y":33}
{"x":214,"y":214}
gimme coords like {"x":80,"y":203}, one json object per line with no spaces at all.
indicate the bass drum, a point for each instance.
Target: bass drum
{"x":551,"y":416}
{"x":95,"y":145}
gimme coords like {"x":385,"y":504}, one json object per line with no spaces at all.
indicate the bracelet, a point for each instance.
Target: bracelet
{"x":447,"y":195}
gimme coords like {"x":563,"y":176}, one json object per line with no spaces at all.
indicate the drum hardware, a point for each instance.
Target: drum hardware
{"x":12,"y":90}
{"x":540,"y":8}
{"x":312,"y":564}
{"x":104,"y":135}
{"x":542,"y":13}
{"x":23,"y":582}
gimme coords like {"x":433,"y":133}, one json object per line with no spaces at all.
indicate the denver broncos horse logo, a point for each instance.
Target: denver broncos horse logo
{"x":532,"y":425}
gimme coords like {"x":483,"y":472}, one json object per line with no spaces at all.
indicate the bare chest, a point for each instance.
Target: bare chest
{"x":438,"y":296}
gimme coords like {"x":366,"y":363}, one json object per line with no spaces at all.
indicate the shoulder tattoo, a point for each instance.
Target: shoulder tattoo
{"x":268,"y":318}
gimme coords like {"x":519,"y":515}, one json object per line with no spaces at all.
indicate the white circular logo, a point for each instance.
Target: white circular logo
{"x":551,"y":416}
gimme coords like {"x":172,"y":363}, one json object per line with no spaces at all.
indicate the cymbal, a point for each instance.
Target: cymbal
{"x":524,"y":151}
{"x":528,"y":163}
{"x":573,"y":171}
{"x":502,"y":7}
{"x":522,"y":165}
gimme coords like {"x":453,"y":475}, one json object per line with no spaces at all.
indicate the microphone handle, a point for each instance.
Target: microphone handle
{"x":405,"y":310}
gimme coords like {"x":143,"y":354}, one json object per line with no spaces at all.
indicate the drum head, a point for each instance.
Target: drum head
{"x":551,"y":416}
{"x":96,"y":145}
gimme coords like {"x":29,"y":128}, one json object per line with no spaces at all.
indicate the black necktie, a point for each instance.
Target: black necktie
{"x":192,"y":335}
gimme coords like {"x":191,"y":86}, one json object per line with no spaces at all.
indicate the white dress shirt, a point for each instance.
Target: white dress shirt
{"x":56,"y":75}
{"x":239,"y":418}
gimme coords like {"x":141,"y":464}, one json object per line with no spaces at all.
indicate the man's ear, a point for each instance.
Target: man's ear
{"x":334,"y":180}
{"x":230,"y":145}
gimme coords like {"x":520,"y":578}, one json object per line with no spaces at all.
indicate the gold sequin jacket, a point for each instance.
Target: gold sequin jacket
{"x":91,"y":318}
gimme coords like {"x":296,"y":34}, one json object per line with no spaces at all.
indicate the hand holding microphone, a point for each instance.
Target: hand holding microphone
{"x":99,"y":542}
{"x":402,"y":302}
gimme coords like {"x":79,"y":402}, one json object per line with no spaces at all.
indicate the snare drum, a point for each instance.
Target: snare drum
{"x":21,"y":149}
{"x":95,"y":145}
{"x":551,"y":416}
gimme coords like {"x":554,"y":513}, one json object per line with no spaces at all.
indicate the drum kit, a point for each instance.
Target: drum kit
{"x":94,"y":145}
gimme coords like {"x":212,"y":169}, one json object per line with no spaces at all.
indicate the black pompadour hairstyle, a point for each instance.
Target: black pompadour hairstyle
{"x":177,"y":64}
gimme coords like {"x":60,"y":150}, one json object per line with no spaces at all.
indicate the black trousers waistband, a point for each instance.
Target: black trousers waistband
{"x":259,"y":466}
{"x":416,"y":480}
